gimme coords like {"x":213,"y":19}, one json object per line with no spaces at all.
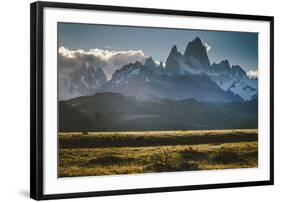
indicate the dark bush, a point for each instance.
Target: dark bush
{"x":226,"y":156}
{"x":192,"y":154}
{"x":109,"y":160}
{"x":188,"y":165}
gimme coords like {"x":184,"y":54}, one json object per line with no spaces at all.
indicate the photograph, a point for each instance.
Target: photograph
{"x":139,"y":99}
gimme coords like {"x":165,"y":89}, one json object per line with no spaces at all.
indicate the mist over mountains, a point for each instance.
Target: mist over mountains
{"x":116,"y":112}
{"x":188,"y":92}
{"x":188,"y":75}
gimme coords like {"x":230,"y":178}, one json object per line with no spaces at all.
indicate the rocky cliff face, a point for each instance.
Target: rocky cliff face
{"x":188,"y":75}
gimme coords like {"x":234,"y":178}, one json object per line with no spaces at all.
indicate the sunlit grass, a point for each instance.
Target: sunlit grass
{"x":81,"y":161}
{"x":159,"y":133}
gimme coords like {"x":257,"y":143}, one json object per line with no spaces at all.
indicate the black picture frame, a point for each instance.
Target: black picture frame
{"x":36,"y":98}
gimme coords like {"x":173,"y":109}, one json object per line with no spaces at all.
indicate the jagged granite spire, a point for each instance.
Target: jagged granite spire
{"x":172,"y":62}
{"x":174,"y":50}
{"x":196,"y":49}
{"x":221,"y":68}
{"x":150,"y":62}
{"x":161,"y":65}
{"x":238,"y":72}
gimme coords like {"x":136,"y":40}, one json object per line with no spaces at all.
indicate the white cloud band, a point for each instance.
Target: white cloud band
{"x":253,"y":73}
{"x":108,"y":60}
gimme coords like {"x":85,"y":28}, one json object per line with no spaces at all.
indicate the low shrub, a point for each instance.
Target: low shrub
{"x":226,"y":156}
{"x":109,"y":160}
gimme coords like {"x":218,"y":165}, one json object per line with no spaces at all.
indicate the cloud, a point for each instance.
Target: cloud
{"x":158,"y":63}
{"x":108,"y":60}
{"x":207,"y":46}
{"x":253,"y":73}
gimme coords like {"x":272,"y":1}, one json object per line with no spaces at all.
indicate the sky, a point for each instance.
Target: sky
{"x":136,"y":43}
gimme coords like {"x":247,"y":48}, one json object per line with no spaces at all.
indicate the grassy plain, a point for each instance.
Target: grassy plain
{"x":111,"y":153}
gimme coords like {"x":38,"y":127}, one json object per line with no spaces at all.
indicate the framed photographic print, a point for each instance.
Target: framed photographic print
{"x":135,"y":100}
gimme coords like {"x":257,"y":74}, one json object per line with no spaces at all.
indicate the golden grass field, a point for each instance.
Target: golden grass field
{"x":111,"y":153}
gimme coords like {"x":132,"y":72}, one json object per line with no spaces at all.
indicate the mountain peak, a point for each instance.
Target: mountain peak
{"x":237,"y":71}
{"x":161,"y":65}
{"x":196,"y":49}
{"x":225,"y":63}
{"x":221,"y":68}
{"x":172,"y":64}
{"x":174,"y":50}
{"x":197,"y":40}
{"x":149,"y":62}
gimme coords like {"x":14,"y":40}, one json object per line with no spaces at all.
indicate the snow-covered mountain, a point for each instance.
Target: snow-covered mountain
{"x":234,"y":79}
{"x":150,"y":81}
{"x":195,"y":61}
{"x":86,"y":80}
{"x":188,"y":75}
